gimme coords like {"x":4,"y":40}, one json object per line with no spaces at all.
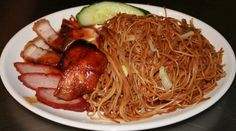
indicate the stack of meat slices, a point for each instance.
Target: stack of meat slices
{"x":44,"y":80}
{"x":61,"y":67}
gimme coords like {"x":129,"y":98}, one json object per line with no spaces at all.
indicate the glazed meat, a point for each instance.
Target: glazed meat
{"x":71,"y":30}
{"x":62,"y":66}
{"x":45,"y":95}
{"x":83,"y":63}
{"x":37,"y":51}
{"x":45,"y":31}
{"x":47,"y":47}
{"x":27,"y":67}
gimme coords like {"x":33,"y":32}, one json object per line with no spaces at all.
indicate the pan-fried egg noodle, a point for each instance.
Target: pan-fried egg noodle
{"x":156,"y":65}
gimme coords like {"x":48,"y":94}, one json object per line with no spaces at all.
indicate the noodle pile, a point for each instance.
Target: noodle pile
{"x":137,"y":47}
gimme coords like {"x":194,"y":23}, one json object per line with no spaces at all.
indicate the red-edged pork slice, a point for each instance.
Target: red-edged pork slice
{"x":46,"y":96}
{"x":26,"y":67}
{"x":35,"y":80}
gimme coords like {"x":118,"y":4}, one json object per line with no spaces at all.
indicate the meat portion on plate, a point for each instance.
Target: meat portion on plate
{"x":36,"y":80}
{"x":45,"y":95}
{"x":48,"y":46}
{"x":62,"y":66}
{"x":71,"y":31}
{"x":37,"y":51}
{"x":83,"y":63}
{"x":27,"y":67}
{"x":45,"y":31}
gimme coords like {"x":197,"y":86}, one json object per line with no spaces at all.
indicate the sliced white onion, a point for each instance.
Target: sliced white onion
{"x":130,"y":38}
{"x":152,"y":47}
{"x":165,"y":79}
{"x":125,"y":70}
{"x":186,"y":35}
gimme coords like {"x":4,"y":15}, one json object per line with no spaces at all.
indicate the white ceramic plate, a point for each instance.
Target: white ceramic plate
{"x":11,"y":54}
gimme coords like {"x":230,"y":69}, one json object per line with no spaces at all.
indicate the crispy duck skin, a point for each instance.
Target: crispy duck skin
{"x":71,"y":31}
{"x":76,"y":51}
{"x":83,"y":64}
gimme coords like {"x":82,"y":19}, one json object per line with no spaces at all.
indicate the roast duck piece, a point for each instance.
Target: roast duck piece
{"x":82,"y":64}
{"x":62,"y":66}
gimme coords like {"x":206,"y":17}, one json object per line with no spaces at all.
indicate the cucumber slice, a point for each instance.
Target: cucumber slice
{"x":97,"y":13}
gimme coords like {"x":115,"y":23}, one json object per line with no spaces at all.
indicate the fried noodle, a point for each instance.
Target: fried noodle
{"x":142,"y":45}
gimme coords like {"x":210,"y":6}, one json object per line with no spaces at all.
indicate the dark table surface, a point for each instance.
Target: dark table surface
{"x":220,"y":14}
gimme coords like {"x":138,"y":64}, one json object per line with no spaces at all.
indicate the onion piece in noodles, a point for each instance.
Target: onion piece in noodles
{"x":165,"y":79}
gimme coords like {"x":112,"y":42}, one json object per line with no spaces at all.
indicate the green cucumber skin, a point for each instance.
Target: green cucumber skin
{"x":145,"y":12}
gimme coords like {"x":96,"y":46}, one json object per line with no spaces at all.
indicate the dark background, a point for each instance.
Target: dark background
{"x":220,"y":14}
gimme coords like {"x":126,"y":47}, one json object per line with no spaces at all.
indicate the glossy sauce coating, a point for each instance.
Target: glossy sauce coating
{"x":83,"y":64}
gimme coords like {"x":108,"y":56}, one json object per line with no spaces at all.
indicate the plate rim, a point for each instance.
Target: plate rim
{"x":78,"y":124}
